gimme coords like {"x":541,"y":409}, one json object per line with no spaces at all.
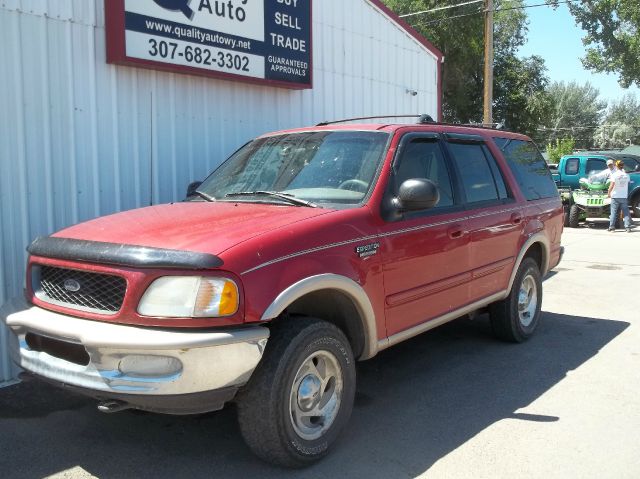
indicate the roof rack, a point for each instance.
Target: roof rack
{"x":421,"y":119}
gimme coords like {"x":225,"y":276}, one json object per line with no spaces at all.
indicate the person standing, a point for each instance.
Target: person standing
{"x":618,"y":192}
{"x":607,"y":172}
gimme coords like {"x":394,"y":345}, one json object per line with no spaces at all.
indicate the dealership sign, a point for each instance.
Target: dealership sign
{"x":264,"y":41}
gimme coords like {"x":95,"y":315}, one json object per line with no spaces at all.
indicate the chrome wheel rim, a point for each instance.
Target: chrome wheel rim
{"x":316,"y":394}
{"x":527,"y":300}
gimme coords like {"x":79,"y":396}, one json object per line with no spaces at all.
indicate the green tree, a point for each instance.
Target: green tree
{"x":612,"y":36}
{"x":462,"y":43}
{"x":576,"y":111}
{"x":626,"y":111}
{"x":520,"y":93}
{"x":561,"y":147}
{"x":621,"y":124}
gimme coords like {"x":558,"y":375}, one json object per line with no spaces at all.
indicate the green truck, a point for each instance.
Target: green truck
{"x":584,"y":192}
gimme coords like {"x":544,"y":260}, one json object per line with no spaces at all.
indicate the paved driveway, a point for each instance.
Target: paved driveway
{"x":451,"y":403}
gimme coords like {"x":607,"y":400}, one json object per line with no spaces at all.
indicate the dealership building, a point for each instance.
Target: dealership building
{"x":109,"y":105}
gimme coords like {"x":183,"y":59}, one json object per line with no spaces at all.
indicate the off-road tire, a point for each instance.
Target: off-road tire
{"x":265,"y":403}
{"x":574,"y":216}
{"x":565,"y":216}
{"x":506,"y":320}
{"x":619,"y":223}
{"x":634,"y":206}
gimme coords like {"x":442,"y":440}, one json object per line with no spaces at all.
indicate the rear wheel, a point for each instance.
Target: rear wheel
{"x":516,"y":317}
{"x":301,"y":395}
{"x":619,"y":223}
{"x":634,"y":207}
{"x":574,"y":216}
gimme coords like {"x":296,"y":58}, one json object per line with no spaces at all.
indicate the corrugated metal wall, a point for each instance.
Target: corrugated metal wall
{"x":80,"y":138}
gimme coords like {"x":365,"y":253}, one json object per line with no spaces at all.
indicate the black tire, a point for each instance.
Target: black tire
{"x":565,"y":216}
{"x":267,"y":403}
{"x":619,"y":223}
{"x":507,"y":321}
{"x":574,"y":216}
{"x":634,"y":206}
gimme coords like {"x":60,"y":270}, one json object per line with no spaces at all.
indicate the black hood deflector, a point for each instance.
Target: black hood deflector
{"x":121,"y":254}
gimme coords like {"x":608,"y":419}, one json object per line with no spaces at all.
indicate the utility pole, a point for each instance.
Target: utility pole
{"x":488,"y":63}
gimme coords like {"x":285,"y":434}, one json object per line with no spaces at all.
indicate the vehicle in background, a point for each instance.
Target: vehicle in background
{"x":584,"y":199}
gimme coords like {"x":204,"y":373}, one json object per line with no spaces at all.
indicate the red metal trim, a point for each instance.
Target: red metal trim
{"x":116,"y":52}
{"x":151,"y":65}
{"x":422,"y":40}
{"x":114,"y":28}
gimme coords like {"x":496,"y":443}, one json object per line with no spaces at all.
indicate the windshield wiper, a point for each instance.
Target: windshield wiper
{"x":204,"y":195}
{"x":283,"y":196}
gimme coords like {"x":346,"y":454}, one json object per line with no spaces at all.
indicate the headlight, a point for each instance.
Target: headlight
{"x":190,"y":296}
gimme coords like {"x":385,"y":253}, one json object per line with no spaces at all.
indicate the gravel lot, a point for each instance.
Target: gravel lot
{"x":451,"y":403}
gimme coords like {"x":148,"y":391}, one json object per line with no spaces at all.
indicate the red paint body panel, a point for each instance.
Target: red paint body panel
{"x":425,"y":269}
{"x":194,"y":226}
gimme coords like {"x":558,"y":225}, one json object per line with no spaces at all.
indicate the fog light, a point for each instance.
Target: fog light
{"x":148,"y":366}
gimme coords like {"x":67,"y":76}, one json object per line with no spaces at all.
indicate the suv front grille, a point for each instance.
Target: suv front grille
{"x":94,"y":292}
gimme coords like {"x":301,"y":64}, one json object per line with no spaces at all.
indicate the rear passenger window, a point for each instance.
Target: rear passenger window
{"x":530,"y":169}
{"x":481,"y":178}
{"x":594,"y":165}
{"x":572,"y":166}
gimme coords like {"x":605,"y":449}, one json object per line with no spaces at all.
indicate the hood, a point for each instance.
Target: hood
{"x":193,"y":226}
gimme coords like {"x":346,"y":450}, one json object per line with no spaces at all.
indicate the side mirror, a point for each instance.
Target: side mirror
{"x":417,"y":194}
{"x":191,"y":189}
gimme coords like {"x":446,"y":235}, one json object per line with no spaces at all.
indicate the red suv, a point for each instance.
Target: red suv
{"x":303,"y":252}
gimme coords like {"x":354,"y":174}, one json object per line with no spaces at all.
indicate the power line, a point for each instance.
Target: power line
{"x":532,"y":6}
{"x":588,"y":127}
{"x":440,"y":8}
{"x":502,"y":9}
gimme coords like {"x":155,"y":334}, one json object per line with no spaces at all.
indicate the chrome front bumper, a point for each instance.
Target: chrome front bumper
{"x":129,"y":360}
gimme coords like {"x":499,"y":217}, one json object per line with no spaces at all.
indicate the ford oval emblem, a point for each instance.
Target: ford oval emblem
{"x":71,"y":285}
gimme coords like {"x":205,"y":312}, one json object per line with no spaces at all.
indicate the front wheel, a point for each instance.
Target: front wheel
{"x":301,"y":394}
{"x":565,"y":216}
{"x":574,"y":216}
{"x":516,"y":317}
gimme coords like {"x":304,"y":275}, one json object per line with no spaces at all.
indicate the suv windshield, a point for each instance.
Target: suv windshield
{"x":331,"y":167}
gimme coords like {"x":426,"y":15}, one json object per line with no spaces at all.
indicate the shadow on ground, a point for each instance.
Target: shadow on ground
{"x":416,"y":402}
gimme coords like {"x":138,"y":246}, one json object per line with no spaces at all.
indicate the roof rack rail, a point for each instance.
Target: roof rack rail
{"x":421,"y":119}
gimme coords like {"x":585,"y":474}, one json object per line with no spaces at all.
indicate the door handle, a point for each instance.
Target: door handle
{"x":516,"y":218}
{"x":456,"y":232}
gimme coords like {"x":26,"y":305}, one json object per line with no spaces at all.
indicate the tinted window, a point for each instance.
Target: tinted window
{"x":476,"y":172}
{"x":497,"y":176}
{"x":595,"y":165}
{"x":571,"y":166}
{"x":423,"y":158}
{"x":631,"y":165}
{"x":529,"y":168}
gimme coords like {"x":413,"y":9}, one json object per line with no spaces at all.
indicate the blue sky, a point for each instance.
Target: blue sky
{"x":554,"y":36}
